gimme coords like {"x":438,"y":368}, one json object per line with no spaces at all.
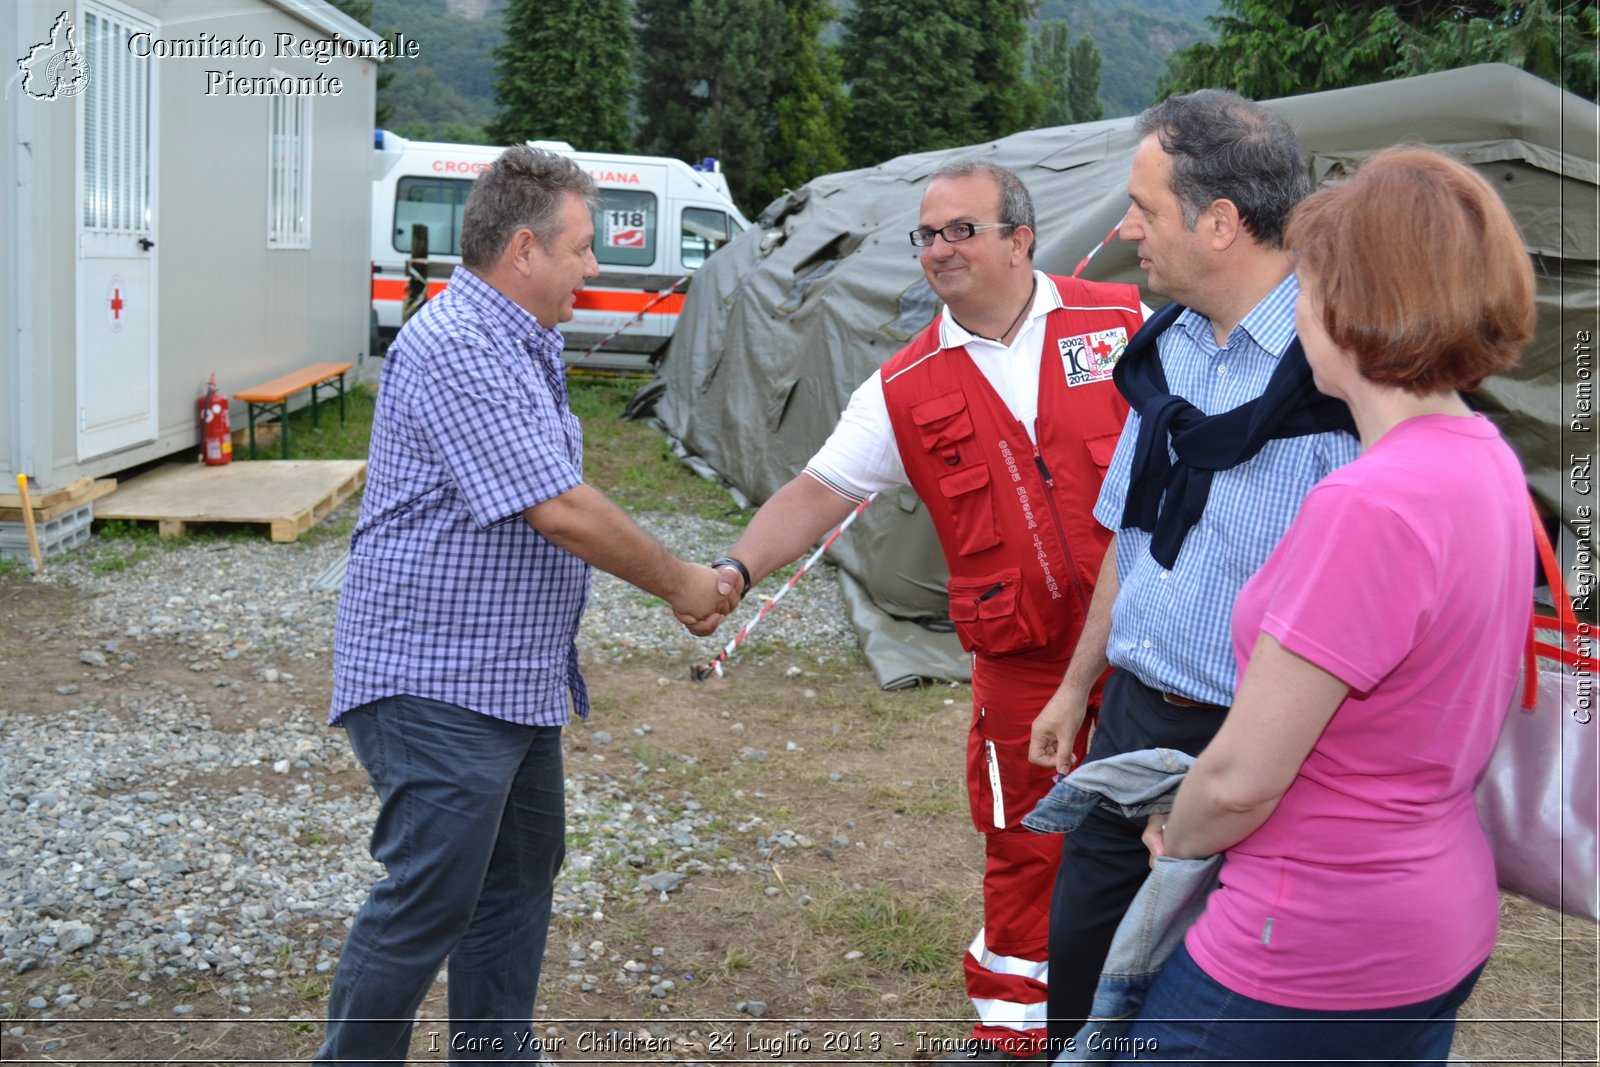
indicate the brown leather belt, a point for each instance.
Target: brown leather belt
{"x":1184,"y":702}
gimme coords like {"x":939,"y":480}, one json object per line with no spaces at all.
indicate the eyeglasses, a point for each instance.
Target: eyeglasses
{"x":956,"y":231}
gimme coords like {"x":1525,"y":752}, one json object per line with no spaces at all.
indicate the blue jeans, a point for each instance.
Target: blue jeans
{"x":472,"y":831}
{"x":1190,"y":1017}
{"x":1103,"y":862}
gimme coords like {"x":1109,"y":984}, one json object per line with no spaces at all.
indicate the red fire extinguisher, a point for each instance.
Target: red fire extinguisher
{"x":216,"y":439}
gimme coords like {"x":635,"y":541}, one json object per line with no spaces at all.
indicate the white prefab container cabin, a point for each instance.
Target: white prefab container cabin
{"x":187,"y":191}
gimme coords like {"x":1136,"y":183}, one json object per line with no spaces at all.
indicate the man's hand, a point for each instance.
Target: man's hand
{"x":1055,"y":728}
{"x":1154,"y":837}
{"x":705,"y":597}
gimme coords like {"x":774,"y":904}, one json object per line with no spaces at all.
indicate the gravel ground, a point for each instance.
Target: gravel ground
{"x":175,"y":826}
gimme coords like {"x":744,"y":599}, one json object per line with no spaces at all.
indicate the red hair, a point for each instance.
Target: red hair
{"x":1420,"y":270}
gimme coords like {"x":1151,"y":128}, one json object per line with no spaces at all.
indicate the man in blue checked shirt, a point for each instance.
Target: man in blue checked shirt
{"x":1226,"y":436}
{"x":455,"y":657}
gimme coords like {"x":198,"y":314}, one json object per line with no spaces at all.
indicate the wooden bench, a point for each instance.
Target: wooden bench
{"x":273,"y":396}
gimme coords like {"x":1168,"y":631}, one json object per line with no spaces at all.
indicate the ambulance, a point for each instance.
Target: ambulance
{"x":658,"y":220}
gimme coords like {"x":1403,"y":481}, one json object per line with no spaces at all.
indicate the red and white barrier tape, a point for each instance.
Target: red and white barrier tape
{"x":642,"y":313}
{"x":701,"y":672}
{"x":1084,"y":262}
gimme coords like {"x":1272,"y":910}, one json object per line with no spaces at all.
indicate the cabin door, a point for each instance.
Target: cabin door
{"x":116,"y":231}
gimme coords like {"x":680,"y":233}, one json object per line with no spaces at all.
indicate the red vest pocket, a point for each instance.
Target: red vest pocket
{"x":971,"y":506}
{"x":1102,"y":448}
{"x":942,"y":421}
{"x":986,"y":612}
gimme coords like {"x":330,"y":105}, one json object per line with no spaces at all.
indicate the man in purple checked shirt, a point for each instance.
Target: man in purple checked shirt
{"x":455,"y":653}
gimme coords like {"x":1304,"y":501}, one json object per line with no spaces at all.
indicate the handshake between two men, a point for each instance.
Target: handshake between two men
{"x":586,"y":523}
{"x":728,"y":583}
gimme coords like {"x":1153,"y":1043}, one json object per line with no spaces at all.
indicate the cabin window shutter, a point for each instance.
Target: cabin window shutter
{"x":288,"y":169}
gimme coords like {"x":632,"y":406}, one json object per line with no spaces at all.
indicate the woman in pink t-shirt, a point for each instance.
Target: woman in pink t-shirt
{"x":1378,"y":651}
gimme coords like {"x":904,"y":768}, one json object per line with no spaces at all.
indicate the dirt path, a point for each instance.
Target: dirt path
{"x":837,"y":937}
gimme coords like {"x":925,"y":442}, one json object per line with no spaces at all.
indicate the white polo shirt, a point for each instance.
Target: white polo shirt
{"x":861,"y":457}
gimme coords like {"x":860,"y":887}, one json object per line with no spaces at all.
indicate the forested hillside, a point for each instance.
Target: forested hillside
{"x":1135,"y":40}
{"x":447,"y":93}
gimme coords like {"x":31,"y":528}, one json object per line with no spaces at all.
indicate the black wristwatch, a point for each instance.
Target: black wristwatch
{"x":744,"y":572}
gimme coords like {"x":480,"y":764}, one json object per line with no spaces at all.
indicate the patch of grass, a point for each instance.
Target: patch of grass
{"x":628,"y":461}
{"x":312,"y":989}
{"x":645,"y":753}
{"x":191,"y":987}
{"x":758,"y":647}
{"x":135,"y":541}
{"x":691,"y":774}
{"x":84,"y":981}
{"x":567,"y":924}
{"x":636,"y":929}
{"x":328,"y":440}
{"x":736,"y":959}
{"x":913,"y":933}
{"x":928,"y":799}
{"x":632,"y":464}
{"x":127,"y":530}
{"x":117,"y":562}
{"x":125,"y":543}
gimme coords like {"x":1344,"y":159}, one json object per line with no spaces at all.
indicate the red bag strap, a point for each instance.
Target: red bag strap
{"x":1564,"y":620}
{"x":1552,"y":572}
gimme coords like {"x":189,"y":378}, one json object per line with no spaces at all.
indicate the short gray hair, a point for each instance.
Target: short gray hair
{"x":1016,"y":206}
{"x":1224,"y":147}
{"x":524,"y":189}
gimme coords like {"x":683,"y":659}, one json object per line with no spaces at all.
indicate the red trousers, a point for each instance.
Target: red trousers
{"x":1006,"y":966}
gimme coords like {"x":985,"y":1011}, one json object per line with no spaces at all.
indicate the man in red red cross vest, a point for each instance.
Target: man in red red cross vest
{"x":1002,"y":416}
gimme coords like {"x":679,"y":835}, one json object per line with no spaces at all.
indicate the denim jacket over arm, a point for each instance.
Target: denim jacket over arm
{"x":1135,"y":785}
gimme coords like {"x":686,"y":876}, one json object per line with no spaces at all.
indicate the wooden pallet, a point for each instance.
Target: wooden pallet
{"x":290,"y":495}
{"x":57,"y":502}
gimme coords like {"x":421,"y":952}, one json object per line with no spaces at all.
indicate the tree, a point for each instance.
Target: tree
{"x":1268,"y":48}
{"x":1134,"y":40}
{"x":1052,"y":58}
{"x":1067,"y":74}
{"x":738,"y":88}
{"x":1556,"y":44}
{"x":565,"y":73}
{"x":671,"y":83}
{"x":807,"y":102}
{"x":706,"y":83}
{"x":1083,"y":81}
{"x":911,"y":66}
{"x":361,"y":11}
{"x":1010,"y":100}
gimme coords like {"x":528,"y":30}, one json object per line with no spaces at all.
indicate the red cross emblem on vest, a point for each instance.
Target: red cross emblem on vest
{"x":1090,"y":357}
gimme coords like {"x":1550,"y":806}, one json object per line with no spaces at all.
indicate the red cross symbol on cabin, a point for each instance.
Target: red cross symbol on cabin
{"x":116,"y":305}
{"x":1102,"y":348}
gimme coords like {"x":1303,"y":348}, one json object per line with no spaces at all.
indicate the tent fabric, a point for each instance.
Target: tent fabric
{"x":782,"y":324}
